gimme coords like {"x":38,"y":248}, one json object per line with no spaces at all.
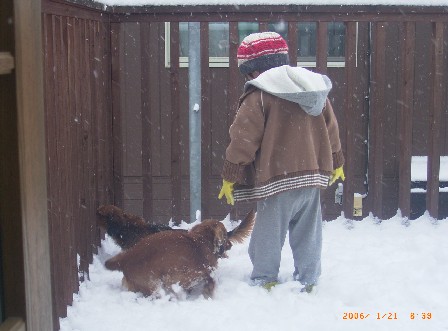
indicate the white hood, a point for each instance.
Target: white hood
{"x":295,"y":84}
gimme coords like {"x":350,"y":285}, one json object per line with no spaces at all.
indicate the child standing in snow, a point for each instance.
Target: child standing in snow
{"x":284,"y":148}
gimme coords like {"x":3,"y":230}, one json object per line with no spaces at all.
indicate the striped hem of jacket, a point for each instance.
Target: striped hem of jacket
{"x":264,"y":191}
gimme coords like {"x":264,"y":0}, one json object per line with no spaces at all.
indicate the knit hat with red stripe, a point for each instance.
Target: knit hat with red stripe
{"x":262,"y":51}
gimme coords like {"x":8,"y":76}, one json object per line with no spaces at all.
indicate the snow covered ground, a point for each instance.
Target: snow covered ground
{"x":376,"y":276}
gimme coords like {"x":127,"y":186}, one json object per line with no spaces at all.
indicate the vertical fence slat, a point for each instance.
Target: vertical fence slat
{"x":74,"y":86}
{"x":175,"y":122}
{"x":233,"y":70}
{"x":101,"y":188}
{"x":322,"y":47}
{"x":52,"y":166}
{"x":86,"y":127}
{"x":72,"y":75}
{"x":104,"y":127}
{"x":146,"y":121}
{"x":206,"y":119}
{"x":108,"y":116}
{"x":263,"y":26}
{"x":61,"y":254}
{"x":70,"y":186}
{"x":376,"y":166}
{"x":293,"y":41}
{"x":156,"y":65}
{"x":405,"y":109}
{"x":108,"y":142}
{"x":96,"y":106}
{"x":78,"y":134}
{"x":116,"y":42}
{"x":233,"y":87}
{"x":350,"y":67}
{"x":435,"y":115}
{"x":82,"y":162}
{"x":62,"y":276}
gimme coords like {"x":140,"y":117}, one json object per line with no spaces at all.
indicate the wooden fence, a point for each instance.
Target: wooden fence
{"x":117,"y":115}
{"x":79,"y":140}
{"x":382,"y":97}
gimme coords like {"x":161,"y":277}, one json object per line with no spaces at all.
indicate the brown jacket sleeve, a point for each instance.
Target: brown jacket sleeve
{"x":246,"y":134}
{"x":333,"y":132}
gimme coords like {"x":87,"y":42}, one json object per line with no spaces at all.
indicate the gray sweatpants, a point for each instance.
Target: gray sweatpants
{"x":298,"y":211}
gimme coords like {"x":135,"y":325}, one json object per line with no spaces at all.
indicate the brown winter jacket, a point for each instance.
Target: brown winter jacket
{"x":276,"y":146}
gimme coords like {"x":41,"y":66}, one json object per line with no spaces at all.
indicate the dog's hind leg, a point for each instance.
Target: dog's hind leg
{"x":127,"y":285}
{"x":209,"y":287}
{"x":205,"y":286}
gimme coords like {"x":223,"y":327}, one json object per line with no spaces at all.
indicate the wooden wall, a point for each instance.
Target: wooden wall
{"x":151,"y":133}
{"x":79,"y":140}
{"x":402,"y":100}
{"x":151,"y":107}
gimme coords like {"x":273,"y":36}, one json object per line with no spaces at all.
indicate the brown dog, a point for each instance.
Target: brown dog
{"x":126,"y":229}
{"x":167,"y":258}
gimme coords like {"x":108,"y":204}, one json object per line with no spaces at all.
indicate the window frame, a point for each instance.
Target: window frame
{"x":223,"y":61}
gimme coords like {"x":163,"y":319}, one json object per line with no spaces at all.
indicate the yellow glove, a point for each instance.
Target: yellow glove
{"x":337,"y":173}
{"x":227,"y":190}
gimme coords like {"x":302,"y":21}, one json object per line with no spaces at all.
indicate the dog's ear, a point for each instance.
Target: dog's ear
{"x":220,"y":240}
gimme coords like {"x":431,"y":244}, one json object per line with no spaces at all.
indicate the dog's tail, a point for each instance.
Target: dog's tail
{"x":109,"y":211}
{"x":243,"y":230}
{"x":125,"y":222}
{"x":115,"y":214}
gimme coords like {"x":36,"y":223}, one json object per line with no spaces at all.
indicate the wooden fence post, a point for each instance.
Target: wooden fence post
{"x":206,"y":120}
{"x":116,"y":36}
{"x":176,"y":178}
{"x":376,"y":166}
{"x":234,"y":90}
{"x":349,"y":167}
{"x":147,"y":96}
{"x":435,"y":114}
{"x":293,"y":40}
{"x":33,"y":172}
{"x":322,"y":47}
{"x":405,"y":109}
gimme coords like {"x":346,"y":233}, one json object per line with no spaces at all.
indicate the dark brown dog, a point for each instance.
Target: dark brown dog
{"x":168,"y":258}
{"x":126,"y":229}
